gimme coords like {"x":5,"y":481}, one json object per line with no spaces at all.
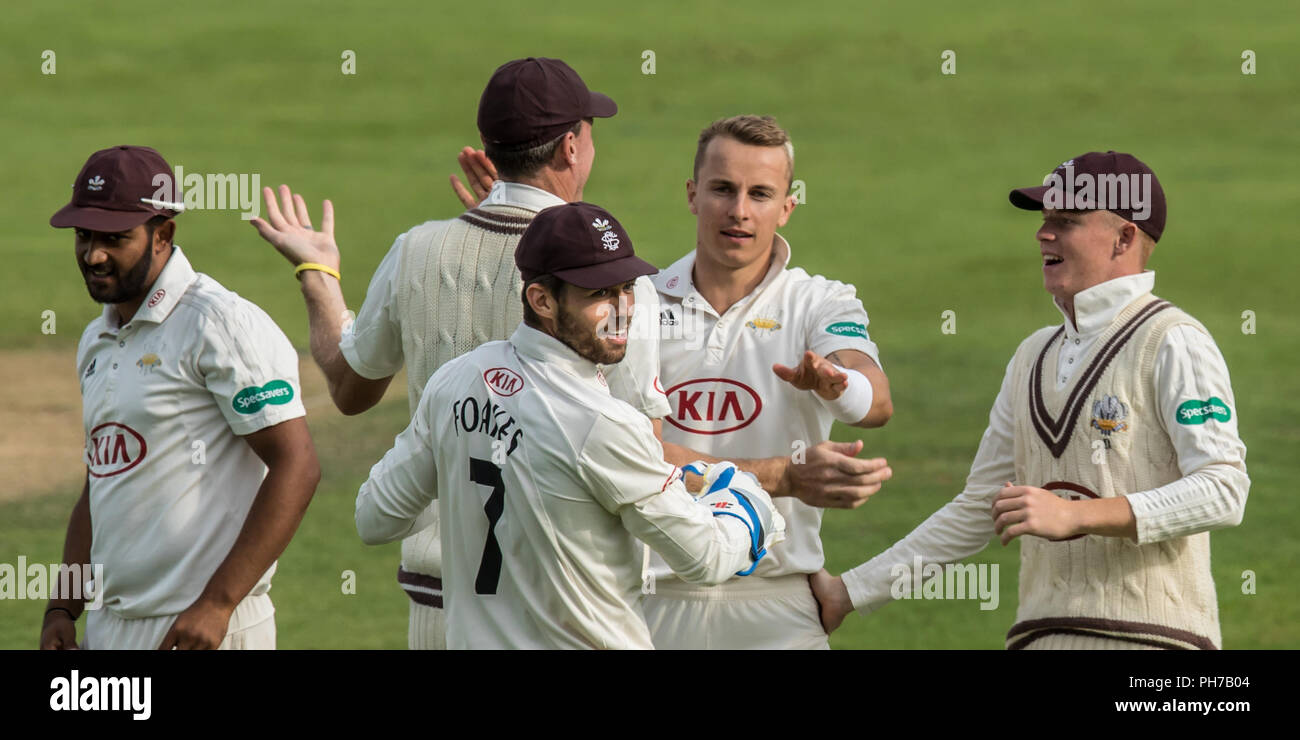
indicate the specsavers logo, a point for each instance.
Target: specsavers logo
{"x":252,"y":399}
{"x":1199,"y":412}
{"x":847,"y":329}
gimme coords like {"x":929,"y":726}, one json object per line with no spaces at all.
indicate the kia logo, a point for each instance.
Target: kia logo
{"x":156,"y":297}
{"x":713,"y":406}
{"x":113,"y":448}
{"x":503,"y":381}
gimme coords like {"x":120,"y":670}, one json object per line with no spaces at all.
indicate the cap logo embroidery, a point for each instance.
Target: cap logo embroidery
{"x":610,"y":240}
{"x":600,"y":224}
{"x":95,"y":183}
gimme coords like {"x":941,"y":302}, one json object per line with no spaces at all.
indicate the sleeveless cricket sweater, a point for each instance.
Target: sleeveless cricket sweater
{"x":1102,"y":436}
{"x":457,"y":288}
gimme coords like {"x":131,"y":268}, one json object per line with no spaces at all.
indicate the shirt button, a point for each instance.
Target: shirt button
{"x":122,"y":343}
{"x":1070,"y":360}
{"x":114,"y":365}
{"x":1076,"y":341}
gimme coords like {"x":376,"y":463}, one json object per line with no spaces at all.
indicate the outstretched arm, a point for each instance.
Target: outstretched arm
{"x":831,"y":384}
{"x":290,"y":231}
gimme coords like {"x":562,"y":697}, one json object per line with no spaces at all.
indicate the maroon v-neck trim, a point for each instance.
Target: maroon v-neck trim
{"x":1055,"y":432}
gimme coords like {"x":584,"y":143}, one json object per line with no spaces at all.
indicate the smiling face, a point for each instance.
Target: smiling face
{"x":117,"y":267}
{"x":740,"y":197}
{"x":593,"y":323}
{"x":1081,"y":249}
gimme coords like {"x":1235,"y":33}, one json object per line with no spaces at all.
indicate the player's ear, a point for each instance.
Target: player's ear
{"x":787,"y":208}
{"x":1127,"y":239}
{"x":163,"y":235}
{"x":690,"y":196}
{"x":542,"y":302}
{"x":568,"y":150}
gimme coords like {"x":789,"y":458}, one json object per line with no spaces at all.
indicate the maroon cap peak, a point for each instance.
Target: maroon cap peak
{"x":1112,"y":181}
{"x":529,"y":102}
{"x":579,"y":243}
{"x":118,"y":189}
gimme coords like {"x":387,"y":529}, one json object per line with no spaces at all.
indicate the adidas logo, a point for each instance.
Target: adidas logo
{"x":95,"y":183}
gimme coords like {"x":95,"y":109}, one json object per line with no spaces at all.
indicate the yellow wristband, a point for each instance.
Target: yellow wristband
{"x":316,"y":266}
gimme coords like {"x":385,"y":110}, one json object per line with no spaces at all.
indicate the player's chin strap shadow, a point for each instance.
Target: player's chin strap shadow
{"x":719,"y":488}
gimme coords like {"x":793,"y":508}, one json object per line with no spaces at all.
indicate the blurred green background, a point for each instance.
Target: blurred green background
{"x":906,"y":174}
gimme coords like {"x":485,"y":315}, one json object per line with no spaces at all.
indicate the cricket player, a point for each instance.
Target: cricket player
{"x":736,"y":295}
{"x":1112,"y":446}
{"x":199,"y":465}
{"x":544,"y":480}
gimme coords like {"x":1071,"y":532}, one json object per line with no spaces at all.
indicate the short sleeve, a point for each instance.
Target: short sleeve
{"x":840,"y":322}
{"x":622,"y":462}
{"x":250,"y":368}
{"x":372,"y":344}
{"x":635,"y":380}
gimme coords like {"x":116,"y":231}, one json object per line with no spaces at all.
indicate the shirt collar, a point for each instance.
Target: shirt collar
{"x":1096,"y":307}
{"x":164,"y":294}
{"x":540,"y":346}
{"x":520,"y":195}
{"x":676,"y":280}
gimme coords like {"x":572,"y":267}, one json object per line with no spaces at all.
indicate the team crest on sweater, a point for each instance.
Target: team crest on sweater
{"x":1108,"y":417}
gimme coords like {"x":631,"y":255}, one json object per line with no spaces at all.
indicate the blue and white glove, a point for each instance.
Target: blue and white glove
{"x":729,"y":491}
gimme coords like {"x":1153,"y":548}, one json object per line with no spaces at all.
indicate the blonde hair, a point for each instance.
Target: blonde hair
{"x":753,"y":130}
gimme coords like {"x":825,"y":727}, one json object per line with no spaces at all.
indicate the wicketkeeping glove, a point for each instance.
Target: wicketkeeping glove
{"x":729,"y":491}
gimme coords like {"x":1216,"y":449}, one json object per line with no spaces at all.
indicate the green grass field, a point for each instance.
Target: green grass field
{"x":906,"y":171}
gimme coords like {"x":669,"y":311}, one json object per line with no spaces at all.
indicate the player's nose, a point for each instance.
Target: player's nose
{"x":739,"y":210}
{"x":95,"y":254}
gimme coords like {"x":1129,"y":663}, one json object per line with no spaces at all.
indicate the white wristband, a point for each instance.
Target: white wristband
{"x":855,"y":402}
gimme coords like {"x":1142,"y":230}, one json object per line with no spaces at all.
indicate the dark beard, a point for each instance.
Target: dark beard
{"x":129,"y":286}
{"x":583,"y":342}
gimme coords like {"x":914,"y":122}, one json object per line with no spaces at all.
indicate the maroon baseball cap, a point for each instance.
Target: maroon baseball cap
{"x":532,"y":101}
{"x":116,"y":191}
{"x":1114,"y":181}
{"x":579,"y":243}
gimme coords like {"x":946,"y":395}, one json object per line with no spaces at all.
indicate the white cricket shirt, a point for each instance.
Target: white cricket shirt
{"x":726,"y":401}
{"x":1210,"y":495}
{"x":164,"y":401}
{"x":544,"y":481}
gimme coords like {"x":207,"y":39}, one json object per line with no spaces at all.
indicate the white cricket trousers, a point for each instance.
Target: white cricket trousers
{"x":252,"y":627}
{"x":749,"y":613}
{"x":427,"y":629}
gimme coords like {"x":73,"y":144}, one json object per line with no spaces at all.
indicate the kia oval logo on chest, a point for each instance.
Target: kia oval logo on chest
{"x":113,"y":449}
{"x":713,"y":405}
